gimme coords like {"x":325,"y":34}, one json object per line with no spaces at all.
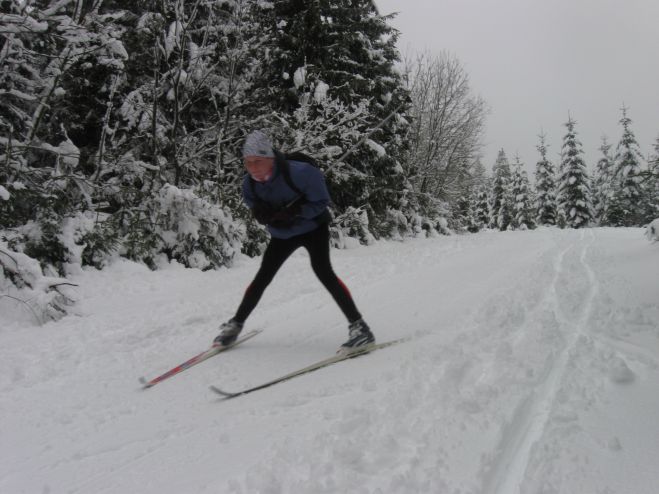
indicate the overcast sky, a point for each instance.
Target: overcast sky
{"x":534,"y":61}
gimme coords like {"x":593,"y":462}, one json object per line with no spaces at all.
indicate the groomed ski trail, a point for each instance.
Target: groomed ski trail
{"x":529,"y":421}
{"x":531,"y":366}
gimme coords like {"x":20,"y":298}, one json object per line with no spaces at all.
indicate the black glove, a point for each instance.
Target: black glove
{"x":262,"y":213}
{"x":279,"y":218}
{"x":282,"y":218}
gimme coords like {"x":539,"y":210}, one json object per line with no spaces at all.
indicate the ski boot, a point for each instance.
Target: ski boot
{"x":229,"y":332}
{"x":359,"y":335}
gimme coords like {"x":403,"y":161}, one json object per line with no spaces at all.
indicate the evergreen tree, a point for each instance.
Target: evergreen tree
{"x":628,"y":192}
{"x":482,"y":209}
{"x":501,"y":205}
{"x":473,"y":217}
{"x":462,"y":217}
{"x":652,"y":189}
{"x":43,"y":114}
{"x":603,"y":184}
{"x":341,"y":54}
{"x":573,"y":187}
{"x":467,"y":185}
{"x":545,"y":184}
{"x":175,"y":123}
{"x":522,"y":202}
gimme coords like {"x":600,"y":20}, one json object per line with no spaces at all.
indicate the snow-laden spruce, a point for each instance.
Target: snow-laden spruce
{"x":575,"y":209}
{"x":545,"y":186}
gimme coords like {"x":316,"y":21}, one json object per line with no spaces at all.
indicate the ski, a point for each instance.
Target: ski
{"x":197,"y":359}
{"x":305,"y":370}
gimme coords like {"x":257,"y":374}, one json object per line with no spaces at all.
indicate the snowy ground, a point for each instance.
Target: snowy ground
{"x":533,"y":367}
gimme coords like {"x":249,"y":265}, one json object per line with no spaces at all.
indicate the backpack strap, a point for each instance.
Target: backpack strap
{"x":285,"y":169}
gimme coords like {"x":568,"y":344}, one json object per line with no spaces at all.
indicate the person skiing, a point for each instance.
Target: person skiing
{"x":290,"y":197}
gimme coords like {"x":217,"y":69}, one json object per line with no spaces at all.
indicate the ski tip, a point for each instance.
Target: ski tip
{"x":224,"y":394}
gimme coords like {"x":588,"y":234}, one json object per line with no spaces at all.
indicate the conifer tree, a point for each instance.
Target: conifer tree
{"x":473,"y":217}
{"x":628,"y":193}
{"x":467,"y":184}
{"x":482,"y":208}
{"x":501,"y":204}
{"x":44,"y":110}
{"x":462,"y":217}
{"x":340,"y":54}
{"x":522,"y":218}
{"x":573,"y":183}
{"x":652,"y":189}
{"x":603,"y":182}
{"x":545,"y":185}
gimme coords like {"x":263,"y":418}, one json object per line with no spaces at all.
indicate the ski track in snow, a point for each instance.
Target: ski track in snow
{"x":532,"y":368}
{"x":533,"y":413}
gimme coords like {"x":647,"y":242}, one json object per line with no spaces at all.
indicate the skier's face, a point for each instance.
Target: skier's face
{"x":259,"y":168}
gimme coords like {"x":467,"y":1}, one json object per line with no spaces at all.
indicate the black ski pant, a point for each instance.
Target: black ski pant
{"x":278,"y":250}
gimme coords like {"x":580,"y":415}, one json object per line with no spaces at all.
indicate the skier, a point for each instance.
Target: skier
{"x":291,"y":199}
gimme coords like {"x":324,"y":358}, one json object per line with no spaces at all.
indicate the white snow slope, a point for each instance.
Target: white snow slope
{"x":533,"y":367}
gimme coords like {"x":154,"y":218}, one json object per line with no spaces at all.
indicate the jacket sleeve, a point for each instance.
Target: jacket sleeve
{"x":315,"y":192}
{"x":248,"y":196}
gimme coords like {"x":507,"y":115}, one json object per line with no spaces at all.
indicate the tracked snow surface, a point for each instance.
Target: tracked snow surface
{"x":532,"y":367}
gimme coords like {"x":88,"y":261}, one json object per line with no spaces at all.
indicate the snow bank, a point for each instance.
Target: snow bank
{"x":26,"y":294}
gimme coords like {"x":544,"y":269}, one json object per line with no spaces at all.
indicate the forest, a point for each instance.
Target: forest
{"x":121,"y":125}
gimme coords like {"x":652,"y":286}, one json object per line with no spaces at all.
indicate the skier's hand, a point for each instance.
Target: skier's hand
{"x":262,"y":213}
{"x":282,"y":218}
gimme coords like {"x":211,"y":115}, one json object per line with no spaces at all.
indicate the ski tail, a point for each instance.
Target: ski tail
{"x":225,"y":394}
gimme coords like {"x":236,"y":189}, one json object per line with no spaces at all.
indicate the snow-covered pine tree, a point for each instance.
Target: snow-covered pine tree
{"x":628,"y":193}
{"x":482,"y":208}
{"x":522,"y":214}
{"x":467,"y":180}
{"x":462,"y":212}
{"x":476,"y":216}
{"x":501,"y":204}
{"x":652,"y":189}
{"x":179,"y":122}
{"x":339,"y":53}
{"x":573,"y":184}
{"x":603,"y":182}
{"x":545,"y":186}
{"x":52,"y":53}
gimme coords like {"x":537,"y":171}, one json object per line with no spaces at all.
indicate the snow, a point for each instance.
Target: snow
{"x":299,"y":77}
{"x":173,"y":38}
{"x":68,"y":152}
{"x":652,"y":230}
{"x":531,"y":367}
{"x":4,"y":194}
{"x":375,"y":147}
{"x":320,"y":93}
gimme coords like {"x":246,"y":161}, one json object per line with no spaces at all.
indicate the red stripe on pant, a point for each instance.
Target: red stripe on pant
{"x":345,"y":288}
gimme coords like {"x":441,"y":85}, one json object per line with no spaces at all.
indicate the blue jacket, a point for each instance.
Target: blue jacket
{"x":276,"y":192}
